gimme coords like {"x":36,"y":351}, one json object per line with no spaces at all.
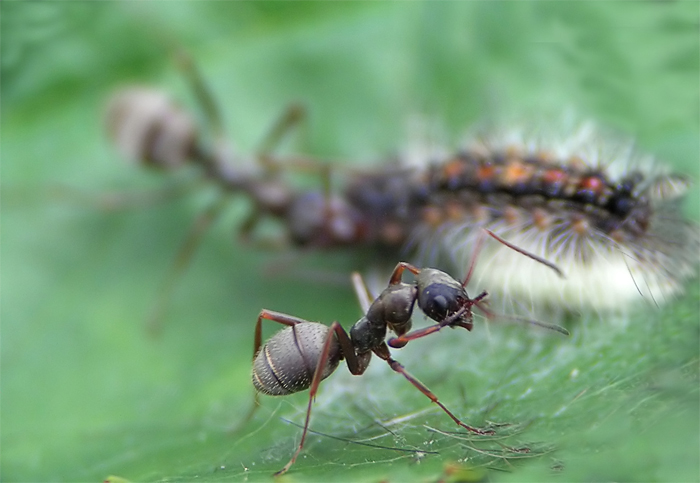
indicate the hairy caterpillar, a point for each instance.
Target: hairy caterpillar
{"x":607,"y":216}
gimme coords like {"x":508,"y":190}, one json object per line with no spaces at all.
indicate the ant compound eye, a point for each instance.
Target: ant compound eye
{"x":440,"y":303}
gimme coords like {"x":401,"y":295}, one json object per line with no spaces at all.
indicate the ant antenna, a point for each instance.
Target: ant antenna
{"x":521,"y":251}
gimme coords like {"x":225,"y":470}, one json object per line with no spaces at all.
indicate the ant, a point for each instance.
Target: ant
{"x":300,"y":356}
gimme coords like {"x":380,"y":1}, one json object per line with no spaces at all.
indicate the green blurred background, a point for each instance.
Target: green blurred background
{"x":87,"y":394}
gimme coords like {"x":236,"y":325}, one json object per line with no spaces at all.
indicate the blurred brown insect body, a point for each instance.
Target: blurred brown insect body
{"x":374,"y":208}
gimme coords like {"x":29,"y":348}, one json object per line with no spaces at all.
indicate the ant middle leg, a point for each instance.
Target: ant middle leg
{"x":383,"y":353}
{"x":356,"y":364}
{"x":364,"y":296}
{"x":450,"y":321}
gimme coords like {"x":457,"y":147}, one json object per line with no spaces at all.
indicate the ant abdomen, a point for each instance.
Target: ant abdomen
{"x":286,"y":363}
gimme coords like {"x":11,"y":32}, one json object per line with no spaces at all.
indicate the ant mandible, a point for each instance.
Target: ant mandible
{"x":305,"y":353}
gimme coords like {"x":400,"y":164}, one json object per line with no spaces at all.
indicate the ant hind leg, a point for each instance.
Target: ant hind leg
{"x":273,"y":316}
{"x":356,"y":366}
{"x":383,"y":352}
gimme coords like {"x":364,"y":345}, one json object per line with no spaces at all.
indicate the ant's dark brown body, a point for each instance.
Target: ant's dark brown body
{"x":300,"y":356}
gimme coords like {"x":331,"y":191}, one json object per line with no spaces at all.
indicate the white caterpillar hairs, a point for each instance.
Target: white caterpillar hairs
{"x":608,"y":217}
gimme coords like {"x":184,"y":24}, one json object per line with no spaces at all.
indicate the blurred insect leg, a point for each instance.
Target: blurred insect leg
{"x":383,"y":352}
{"x":398,"y":272}
{"x":201,"y":92}
{"x":181,"y":262}
{"x":364,"y":297}
{"x":325,"y":172}
{"x":215,"y":158}
{"x":117,"y":201}
{"x":248,"y":226}
{"x":339,"y":334}
{"x":293,"y":115}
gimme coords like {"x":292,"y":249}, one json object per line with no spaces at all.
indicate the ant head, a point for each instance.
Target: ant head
{"x":440,"y":296}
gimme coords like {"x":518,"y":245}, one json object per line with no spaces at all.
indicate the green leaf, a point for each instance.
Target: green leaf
{"x":86,"y":393}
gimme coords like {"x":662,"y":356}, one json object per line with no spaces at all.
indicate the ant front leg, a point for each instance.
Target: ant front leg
{"x":402,"y":340}
{"x":200,"y":89}
{"x":398,"y":272}
{"x":383,"y":352}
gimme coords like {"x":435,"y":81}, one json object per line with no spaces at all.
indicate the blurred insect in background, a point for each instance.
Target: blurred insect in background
{"x":148,"y":127}
{"x":300,"y":356}
{"x":608,"y":218}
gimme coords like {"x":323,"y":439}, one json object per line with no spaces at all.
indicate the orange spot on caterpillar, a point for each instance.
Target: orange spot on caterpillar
{"x":516,"y":172}
{"x":432,"y":215}
{"x":592,"y":183}
{"x":485,"y":172}
{"x":551,"y":176}
{"x":453,"y":169}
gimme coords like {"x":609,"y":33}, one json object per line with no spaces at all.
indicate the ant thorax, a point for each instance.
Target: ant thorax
{"x":394,"y":307}
{"x":366,"y":335}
